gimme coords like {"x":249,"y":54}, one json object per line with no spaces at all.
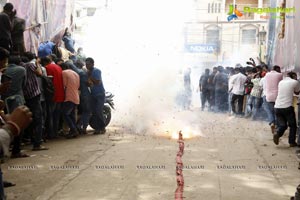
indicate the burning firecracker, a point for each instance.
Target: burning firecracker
{"x":179,"y":167}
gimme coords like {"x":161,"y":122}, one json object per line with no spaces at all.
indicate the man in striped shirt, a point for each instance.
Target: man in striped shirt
{"x":32,"y":94}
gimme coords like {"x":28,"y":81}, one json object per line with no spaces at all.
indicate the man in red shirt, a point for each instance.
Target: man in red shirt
{"x":54,"y":107}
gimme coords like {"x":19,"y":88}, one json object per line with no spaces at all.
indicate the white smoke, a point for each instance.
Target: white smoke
{"x":138,"y":45}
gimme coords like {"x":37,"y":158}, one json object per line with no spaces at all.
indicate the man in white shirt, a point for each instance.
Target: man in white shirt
{"x":284,"y":110}
{"x":237,"y":88}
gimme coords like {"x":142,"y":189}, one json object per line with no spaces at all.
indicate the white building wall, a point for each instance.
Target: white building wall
{"x":232,"y":49}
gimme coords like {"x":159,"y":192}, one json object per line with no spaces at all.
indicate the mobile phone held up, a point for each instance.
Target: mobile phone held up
{"x":13,"y":102}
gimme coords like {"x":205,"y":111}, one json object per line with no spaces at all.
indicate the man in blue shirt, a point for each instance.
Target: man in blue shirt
{"x":97,"y":94}
{"x":68,"y":41}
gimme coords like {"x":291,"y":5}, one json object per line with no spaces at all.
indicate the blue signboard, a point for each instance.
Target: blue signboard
{"x":201,"y":48}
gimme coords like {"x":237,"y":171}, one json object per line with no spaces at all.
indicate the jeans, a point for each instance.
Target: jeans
{"x":16,"y":149}
{"x":98,"y":104}
{"x":6,"y":44}
{"x":187,"y":98}
{"x":204,"y":98}
{"x":269,"y":108}
{"x":286,"y":117}
{"x":36,"y":126}
{"x":85,"y":109}
{"x":69,"y":115}
{"x":298,"y":130}
{"x":2,"y":195}
{"x":229,"y":102}
{"x":44,"y":114}
{"x":221,"y":97}
{"x":239,"y":99}
{"x":249,"y":105}
{"x":211,"y":98}
{"x":54,"y":111}
{"x":253,"y":105}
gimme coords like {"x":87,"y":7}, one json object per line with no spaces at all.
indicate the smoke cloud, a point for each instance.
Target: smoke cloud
{"x":138,"y":45}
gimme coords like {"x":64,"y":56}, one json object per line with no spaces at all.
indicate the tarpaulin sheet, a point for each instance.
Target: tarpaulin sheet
{"x":286,"y":49}
{"x":53,"y":15}
{"x":271,"y":34}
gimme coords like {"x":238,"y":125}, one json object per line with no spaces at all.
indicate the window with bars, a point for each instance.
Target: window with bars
{"x":212,"y":36}
{"x":249,"y":36}
{"x":214,"y":8}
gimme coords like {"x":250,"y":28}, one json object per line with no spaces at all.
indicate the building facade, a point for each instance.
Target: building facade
{"x":211,"y":39}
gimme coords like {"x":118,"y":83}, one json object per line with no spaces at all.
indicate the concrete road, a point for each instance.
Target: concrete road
{"x":234,"y":159}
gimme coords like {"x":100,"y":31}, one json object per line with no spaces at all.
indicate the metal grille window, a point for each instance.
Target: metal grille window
{"x":249,"y":36}
{"x":216,"y":7}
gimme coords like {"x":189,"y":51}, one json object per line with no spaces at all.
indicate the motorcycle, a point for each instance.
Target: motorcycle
{"x":108,"y":106}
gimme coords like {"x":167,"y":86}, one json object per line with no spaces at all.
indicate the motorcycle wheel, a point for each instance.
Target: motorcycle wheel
{"x":106,"y":116}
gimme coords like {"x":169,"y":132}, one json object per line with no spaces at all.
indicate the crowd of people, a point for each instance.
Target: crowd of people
{"x":42,"y":94}
{"x":255,"y":92}
{"x":39,"y":93}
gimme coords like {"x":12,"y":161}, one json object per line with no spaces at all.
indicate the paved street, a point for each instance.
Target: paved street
{"x":231,"y":160}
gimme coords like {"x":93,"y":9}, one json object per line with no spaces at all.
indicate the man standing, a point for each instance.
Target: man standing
{"x":237,"y":83}
{"x":6,"y":26}
{"x":17,"y":37}
{"x":204,"y":89}
{"x":211,"y":87}
{"x":85,"y":96}
{"x":284,"y":110}
{"x":187,"y":89}
{"x":59,"y":95}
{"x":68,"y":41}
{"x":221,"y":90}
{"x":32,"y":95}
{"x":97,"y":94}
{"x":18,"y":79}
{"x":271,"y":82}
{"x":71,"y":85}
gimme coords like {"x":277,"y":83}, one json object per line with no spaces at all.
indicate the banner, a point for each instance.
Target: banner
{"x":201,"y":48}
{"x":286,"y":43}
